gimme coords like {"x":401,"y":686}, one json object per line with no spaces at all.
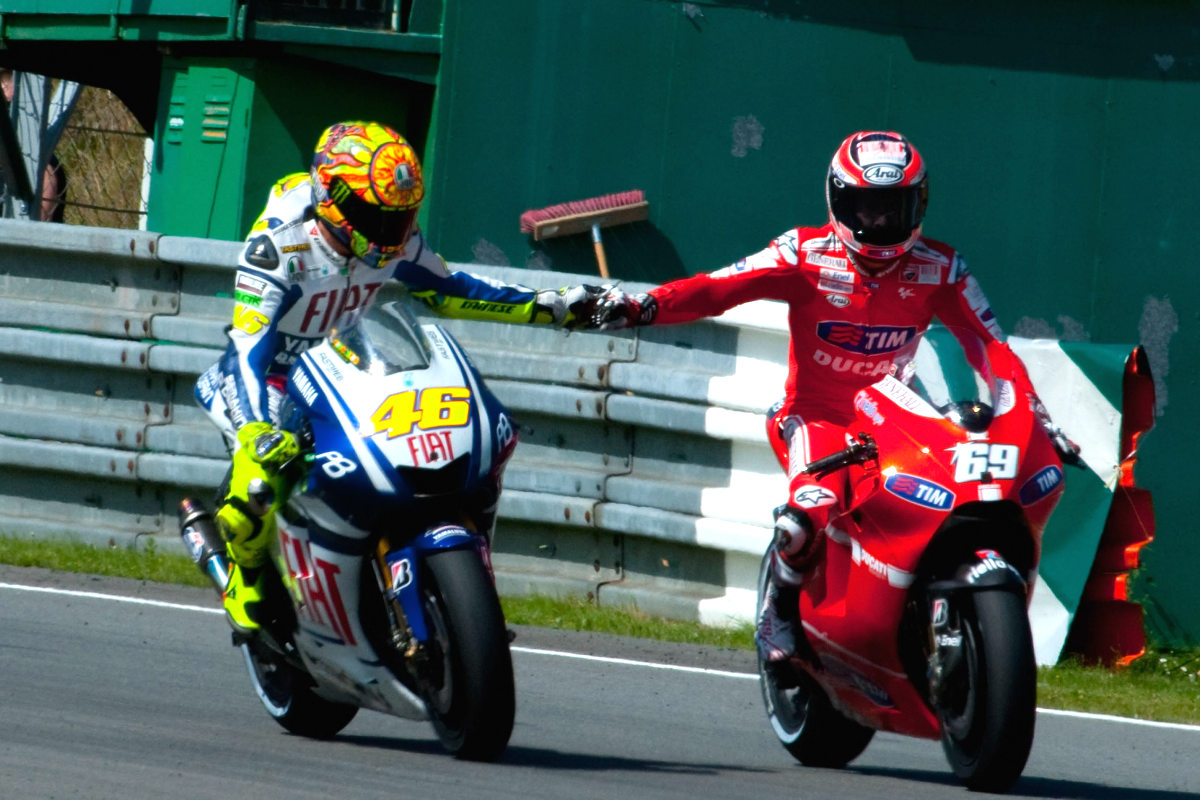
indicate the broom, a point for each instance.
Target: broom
{"x":566,"y":219}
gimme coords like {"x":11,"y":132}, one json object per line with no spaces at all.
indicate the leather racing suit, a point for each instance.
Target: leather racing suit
{"x":291,"y":287}
{"x":848,"y":328}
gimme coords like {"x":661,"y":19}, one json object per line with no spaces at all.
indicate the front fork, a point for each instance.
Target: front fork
{"x":397,"y":583}
{"x":988,"y":572}
{"x":399,"y":579}
{"x":945,"y":644}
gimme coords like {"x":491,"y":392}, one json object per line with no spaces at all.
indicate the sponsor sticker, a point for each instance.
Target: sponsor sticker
{"x":826,"y":285}
{"x":248,"y":284}
{"x":864,"y":403}
{"x":921,"y":273}
{"x":839,"y":275}
{"x":867,"y":368}
{"x":402,"y":573}
{"x":838,"y":300}
{"x":830,"y":262}
{"x":786,"y":245}
{"x":449,"y":532}
{"x":1040,"y":485}
{"x":920,"y":491}
{"x":866,"y":339}
{"x":883,"y":174}
{"x":812,"y":497}
{"x":881,"y":151}
{"x":991,"y":561}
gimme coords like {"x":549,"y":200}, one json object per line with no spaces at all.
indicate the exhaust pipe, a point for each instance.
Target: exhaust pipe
{"x":199,"y":533}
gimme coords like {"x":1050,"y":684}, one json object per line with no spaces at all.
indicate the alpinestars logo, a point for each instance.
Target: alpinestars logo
{"x":866,"y":339}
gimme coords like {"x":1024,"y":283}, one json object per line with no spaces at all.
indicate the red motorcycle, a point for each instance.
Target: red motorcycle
{"x":914,"y":611}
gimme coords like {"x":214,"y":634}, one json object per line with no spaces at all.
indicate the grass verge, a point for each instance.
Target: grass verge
{"x":1163,"y":685}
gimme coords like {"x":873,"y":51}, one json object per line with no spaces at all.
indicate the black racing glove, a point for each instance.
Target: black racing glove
{"x":618,"y":310}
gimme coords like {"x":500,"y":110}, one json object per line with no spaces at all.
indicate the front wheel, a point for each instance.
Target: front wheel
{"x":468,"y":684}
{"x":287,"y":694}
{"x":988,"y":708}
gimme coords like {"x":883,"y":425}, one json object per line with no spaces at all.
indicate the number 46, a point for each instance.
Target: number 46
{"x":972,"y":459}
{"x":447,"y":407}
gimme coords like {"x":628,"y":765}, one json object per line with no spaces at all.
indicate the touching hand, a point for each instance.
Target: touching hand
{"x":618,"y":310}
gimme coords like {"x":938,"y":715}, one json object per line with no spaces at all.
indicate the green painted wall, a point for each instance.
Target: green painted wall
{"x":229,"y":128}
{"x":1060,"y":137}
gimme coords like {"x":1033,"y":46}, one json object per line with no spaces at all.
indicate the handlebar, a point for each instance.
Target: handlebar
{"x":860,"y":452}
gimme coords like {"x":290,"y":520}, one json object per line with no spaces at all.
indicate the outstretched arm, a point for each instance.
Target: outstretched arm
{"x":465,"y":295}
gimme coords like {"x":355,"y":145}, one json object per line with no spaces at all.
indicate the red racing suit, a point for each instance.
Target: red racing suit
{"x":848,"y":329}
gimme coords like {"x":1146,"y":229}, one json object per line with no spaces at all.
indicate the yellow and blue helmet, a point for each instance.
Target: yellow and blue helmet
{"x":367,"y":188}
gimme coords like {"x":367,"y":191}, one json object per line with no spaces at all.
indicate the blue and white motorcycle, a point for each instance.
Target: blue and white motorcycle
{"x":386,"y":598}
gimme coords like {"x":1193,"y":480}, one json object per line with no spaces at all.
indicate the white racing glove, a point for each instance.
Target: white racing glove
{"x":570,"y":307}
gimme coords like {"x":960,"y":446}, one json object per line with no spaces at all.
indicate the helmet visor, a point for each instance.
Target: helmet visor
{"x":878,"y":216}
{"x":387,"y":226}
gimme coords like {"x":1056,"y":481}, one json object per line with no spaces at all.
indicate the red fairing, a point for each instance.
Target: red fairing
{"x":927,"y":469}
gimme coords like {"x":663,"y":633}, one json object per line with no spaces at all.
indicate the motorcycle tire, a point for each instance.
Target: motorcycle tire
{"x":287,"y":694}
{"x":988,"y":712}
{"x":807,"y":724}
{"x":801,"y":715}
{"x":469,"y":689}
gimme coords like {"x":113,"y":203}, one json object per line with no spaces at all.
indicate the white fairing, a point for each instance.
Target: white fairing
{"x":330,"y":639}
{"x":323,"y":582}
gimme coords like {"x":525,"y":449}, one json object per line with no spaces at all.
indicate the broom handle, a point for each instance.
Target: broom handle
{"x":599,"y":245}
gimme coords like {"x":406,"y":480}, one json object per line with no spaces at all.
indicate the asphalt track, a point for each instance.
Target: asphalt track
{"x":117,"y":689}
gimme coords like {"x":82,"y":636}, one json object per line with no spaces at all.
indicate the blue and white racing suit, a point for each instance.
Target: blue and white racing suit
{"x":291,"y":287}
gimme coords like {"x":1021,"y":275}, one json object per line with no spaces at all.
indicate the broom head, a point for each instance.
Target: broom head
{"x":566,"y":219}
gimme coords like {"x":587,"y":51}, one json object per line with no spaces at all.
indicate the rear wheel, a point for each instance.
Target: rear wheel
{"x":807,"y":724}
{"x":800,"y":713}
{"x":988,"y":705}
{"x":287,"y":694}
{"x":467,"y":683}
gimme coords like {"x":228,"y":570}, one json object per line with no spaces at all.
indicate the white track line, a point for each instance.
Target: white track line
{"x":581,"y":656}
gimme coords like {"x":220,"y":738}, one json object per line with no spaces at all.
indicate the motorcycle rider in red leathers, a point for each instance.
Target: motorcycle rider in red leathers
{"x":861,"y":291}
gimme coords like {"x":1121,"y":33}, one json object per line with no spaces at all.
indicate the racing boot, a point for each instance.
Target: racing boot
{"x":243,"y":596}
{"x":246,"y":519}
{"x":775,"y":633}
{"x":246,"y":539}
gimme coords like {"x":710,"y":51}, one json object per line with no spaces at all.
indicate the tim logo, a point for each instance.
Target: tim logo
{"x":866,"y":339}
{"x":1040,"y":485}
{"x":920,"y":491}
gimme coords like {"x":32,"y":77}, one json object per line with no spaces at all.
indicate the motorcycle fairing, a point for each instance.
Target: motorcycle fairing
{"x":382,"y":461}
{"x":906,"y":507}
{"x":329,"y":636}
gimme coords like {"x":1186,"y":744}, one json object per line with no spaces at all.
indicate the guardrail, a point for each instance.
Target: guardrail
{"x":643,"y":475}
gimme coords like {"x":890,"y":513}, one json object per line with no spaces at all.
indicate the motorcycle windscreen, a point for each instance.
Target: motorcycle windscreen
{"x":952,"y":372}
{"x":382,"y":342}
